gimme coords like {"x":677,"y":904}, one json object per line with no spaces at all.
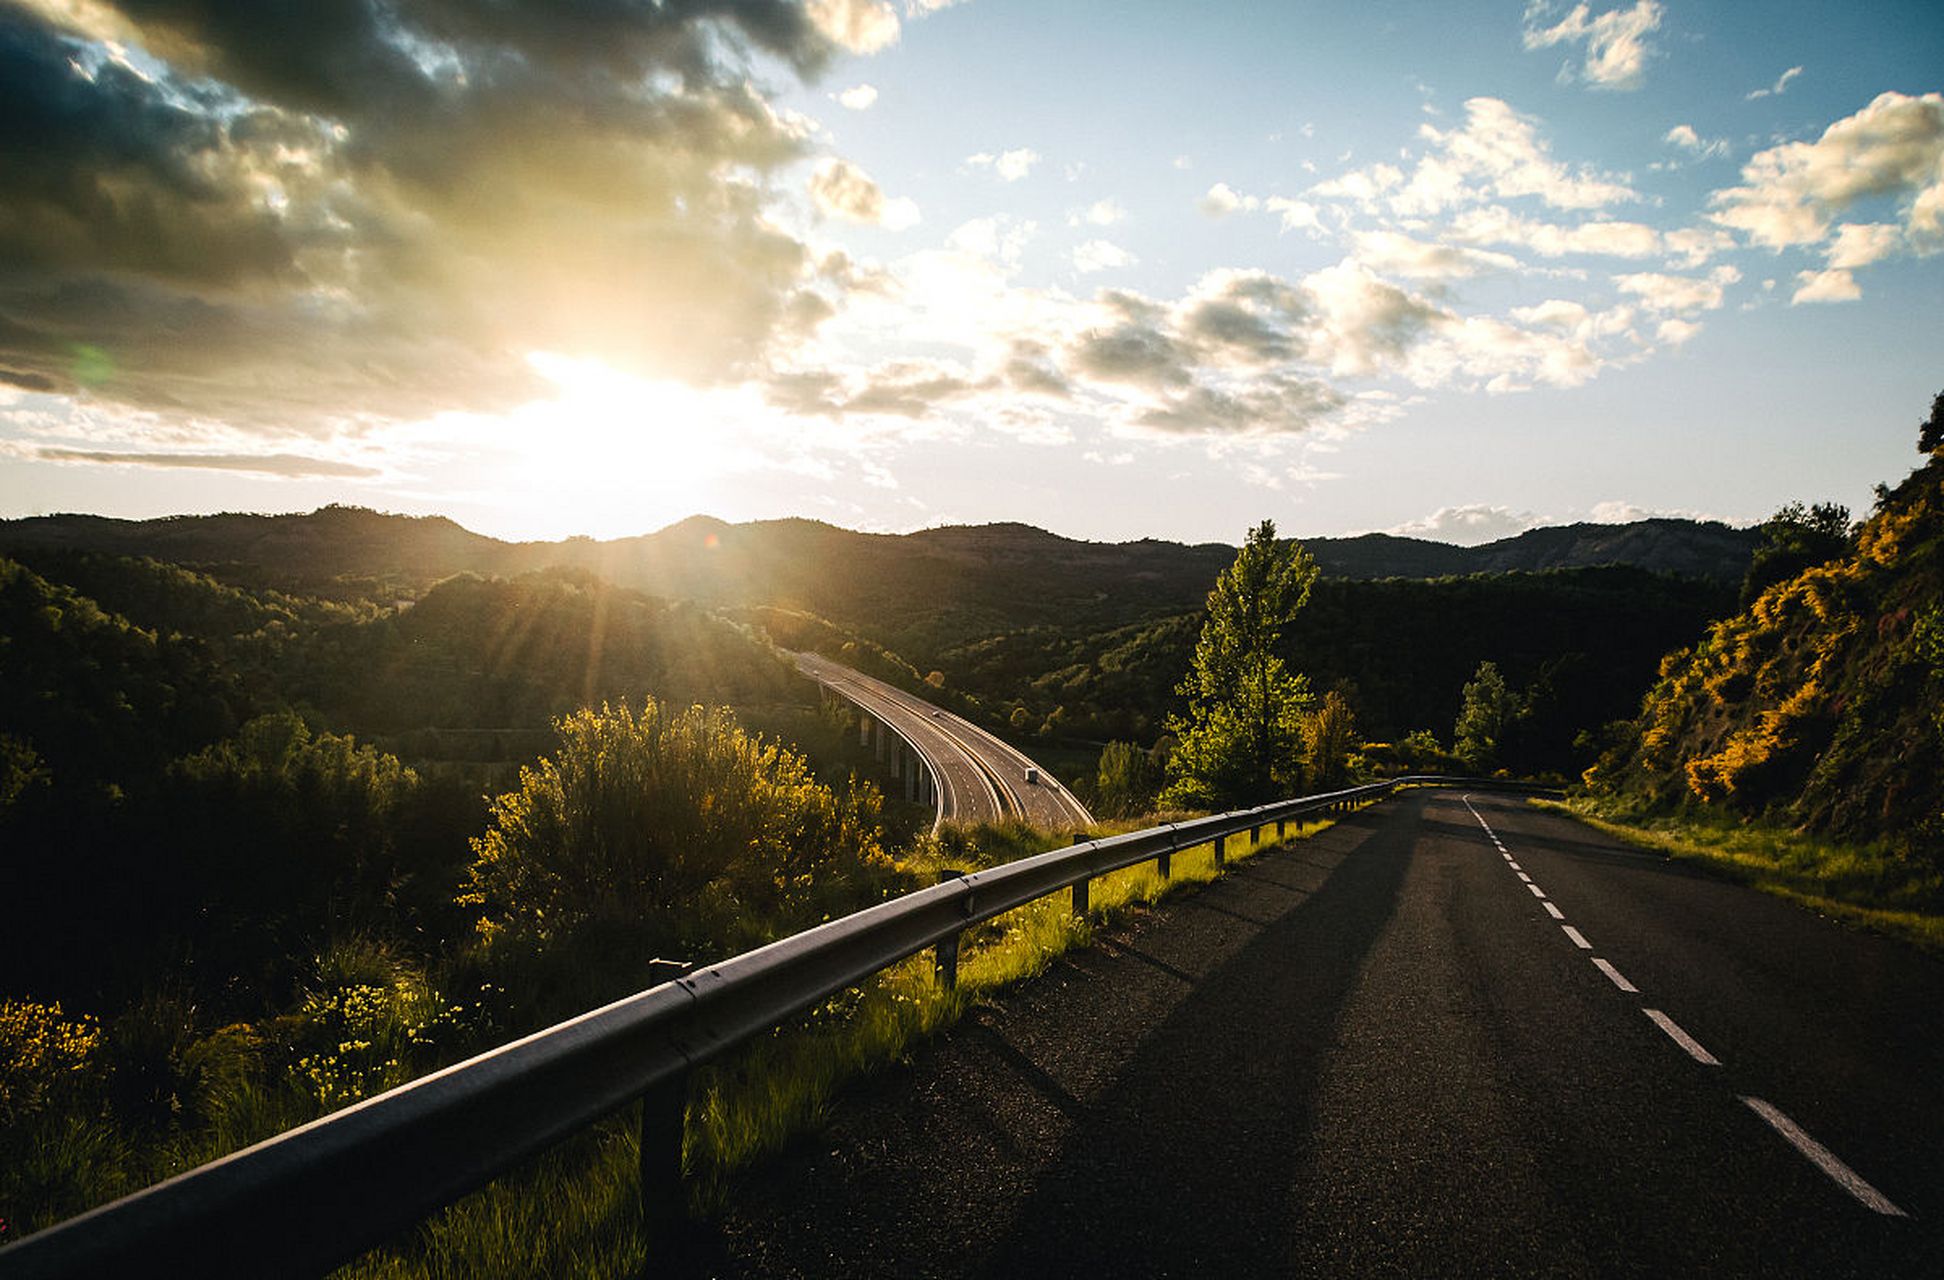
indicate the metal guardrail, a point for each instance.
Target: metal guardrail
{"x":320,"y":1195}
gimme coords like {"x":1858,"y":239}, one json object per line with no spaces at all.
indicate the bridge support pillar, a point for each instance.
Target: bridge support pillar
{"x":877,"y":738}
{"x":863,"y":729}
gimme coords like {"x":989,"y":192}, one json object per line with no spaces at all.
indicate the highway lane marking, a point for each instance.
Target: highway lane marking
{"x":1825,"y":1159}
{"x":1613,"y":973}
{"x":1682,"y":1038}
{"x":1817,"y":1154}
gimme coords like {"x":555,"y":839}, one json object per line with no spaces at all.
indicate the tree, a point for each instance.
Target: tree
{"x":1125,"y":782}
{"x":1488,"y":711}
{"x":1930,"y":432}
{"x":1240,"y":741}
{"x":1793,"y":539}
{"x":1329,"y":736}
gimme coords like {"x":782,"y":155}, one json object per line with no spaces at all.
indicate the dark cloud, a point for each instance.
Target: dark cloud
{"x":1136,"y":353}
{"x":275,"y":464}
{"x":31,"y":381}
{"x":1266,"y":405}
{"x":315,"y":209}
{"x":902,"y":389}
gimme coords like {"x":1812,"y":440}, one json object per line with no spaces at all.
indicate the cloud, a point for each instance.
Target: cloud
{"x":1617,"y":50}
{"x":299,"y":217}
{"x":1674,"y":331}
{"x":1469,"y":525}
{"x":859,"y":97}
{"x":861,"y":26}
{"x":1825,"y":286}
{"x":1495,"y":224}
{"x":1860,"y":244}
{"x":274,"y":464}
{"x":1679,"y":293}
{"x":1221,"y":200}
{"x":1777,"y":89}
{"x":1390,"y":253}
{"x":1684,"y":137}
{"x":1101,"y":255}
{"x":1497,"y":155}
{"x":1007,"y":166}
{"x":1891,"y":149}
{"x":843,"y":190}
{"x":1296,"y":215}
{"x":1101,"y":213}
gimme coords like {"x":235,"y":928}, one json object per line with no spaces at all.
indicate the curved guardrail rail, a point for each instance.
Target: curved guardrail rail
{"x":320,"y":1195}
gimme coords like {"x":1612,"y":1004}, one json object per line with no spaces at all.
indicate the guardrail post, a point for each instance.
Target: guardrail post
{"x":1219,"y":859}
{"x":1163,"y":862}
{"x":1255,"y":835}
{"x":1080,"y":886}
{"x":1279,"y":827}
{"x":945,"y":955}
{"x":664,"y":1114}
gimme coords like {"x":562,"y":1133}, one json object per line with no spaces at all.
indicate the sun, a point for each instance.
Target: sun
{"x":611,"y":453}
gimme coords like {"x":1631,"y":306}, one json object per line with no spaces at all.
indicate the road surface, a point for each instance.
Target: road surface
{"x":980,"y":778}
{"x":1395,"y":1049}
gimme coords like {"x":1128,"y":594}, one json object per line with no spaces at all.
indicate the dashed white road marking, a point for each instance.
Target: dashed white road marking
{"x":1825,"y":1159}
{"x":1682,"y":1038}
{"x":1523,"y":876}
{"x":1537,"y":892}
{"x":1613,"y":973}
{"x":1553,"y":911}
{"x":1579,"y":939}
{"x":1515,"y":866}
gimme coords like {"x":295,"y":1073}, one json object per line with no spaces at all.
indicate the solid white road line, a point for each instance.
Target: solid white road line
{"x":1579,"y":939}
{"x":1614,"y":973}
{"x":1553,"y":911}
{"x":1823,"y":1158}
{"x":1537,"y":892}
{"x":1682,"y":1038}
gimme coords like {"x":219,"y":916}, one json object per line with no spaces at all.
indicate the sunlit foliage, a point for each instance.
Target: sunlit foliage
{"x":673,"y":828}
{"x":1820,"y":704}
{"x":1241,"y":739}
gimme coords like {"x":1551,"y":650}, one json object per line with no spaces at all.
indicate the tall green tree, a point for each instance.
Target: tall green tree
{"x":1125,"y":782}
{"x":1484,"y":719}
{"x":1241,"y":740}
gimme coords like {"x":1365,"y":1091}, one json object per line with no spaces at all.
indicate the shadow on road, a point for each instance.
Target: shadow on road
{"x":1145,"y":1185}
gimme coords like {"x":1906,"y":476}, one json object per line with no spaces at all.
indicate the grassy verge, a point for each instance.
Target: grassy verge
{"x":1868,"y":885}
{"x":574,"y":1213}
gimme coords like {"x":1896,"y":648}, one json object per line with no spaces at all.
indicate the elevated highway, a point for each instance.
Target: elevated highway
{"x":972,"y":775}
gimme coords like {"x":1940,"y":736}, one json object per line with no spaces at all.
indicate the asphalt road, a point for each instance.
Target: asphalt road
{"x":1384,"y":1051}
{"x":980,"y":778}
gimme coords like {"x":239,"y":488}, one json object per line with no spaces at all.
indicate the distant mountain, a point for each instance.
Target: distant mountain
{"x":919,"y":592}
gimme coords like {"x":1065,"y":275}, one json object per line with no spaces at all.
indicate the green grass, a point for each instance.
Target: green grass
{"x":1868,"y":885}
{"x":575,"y":1212}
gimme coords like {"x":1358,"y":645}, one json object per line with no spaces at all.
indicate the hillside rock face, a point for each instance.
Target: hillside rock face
{"x":1823,"y":703}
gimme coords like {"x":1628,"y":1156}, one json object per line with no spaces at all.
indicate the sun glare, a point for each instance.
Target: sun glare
{"x":611,"y":454}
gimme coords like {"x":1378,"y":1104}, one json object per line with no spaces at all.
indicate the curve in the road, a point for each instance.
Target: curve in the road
{"x":979,"y":778}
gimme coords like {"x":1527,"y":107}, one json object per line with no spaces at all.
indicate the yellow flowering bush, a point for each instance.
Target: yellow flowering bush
{"x":46,"y":1057}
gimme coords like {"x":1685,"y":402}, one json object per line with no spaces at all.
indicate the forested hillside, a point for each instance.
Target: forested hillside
{"x":1822,"y":704}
